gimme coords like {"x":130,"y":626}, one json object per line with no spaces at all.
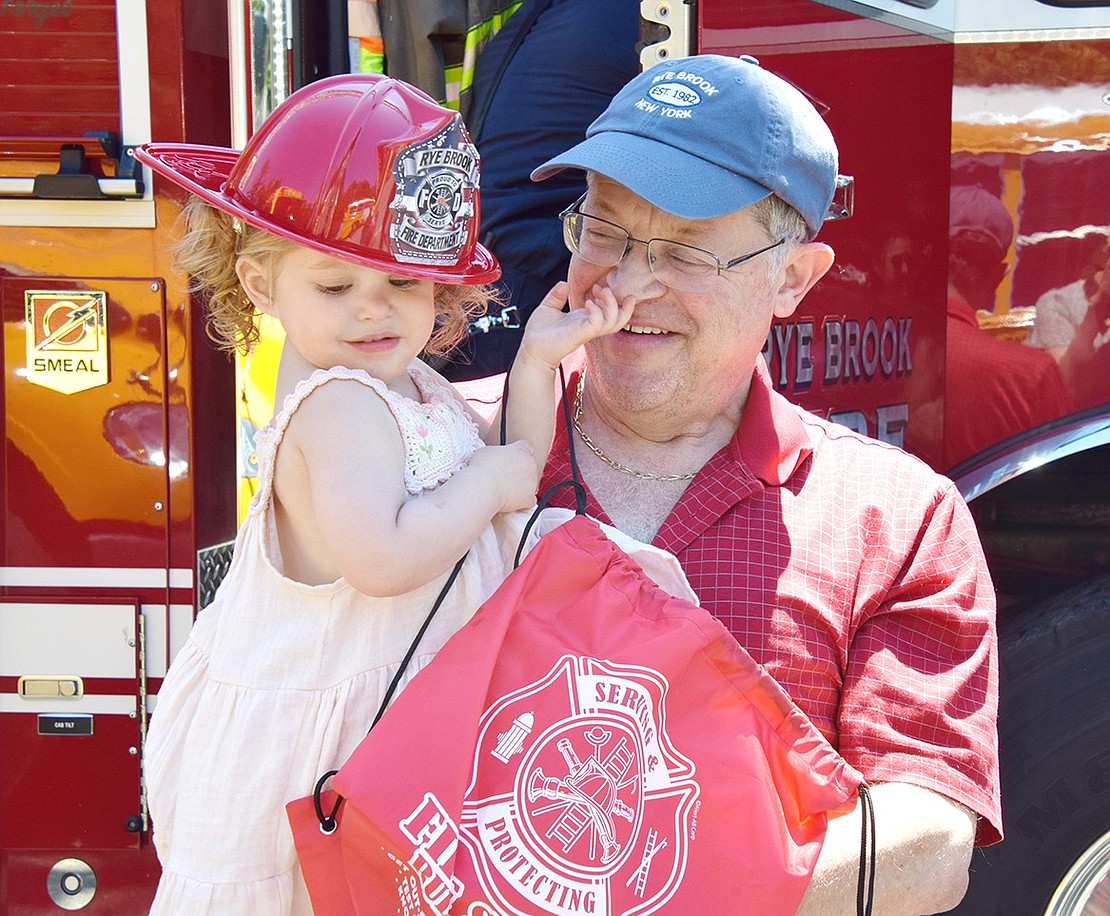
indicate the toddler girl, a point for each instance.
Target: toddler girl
{"x":351,"y":217}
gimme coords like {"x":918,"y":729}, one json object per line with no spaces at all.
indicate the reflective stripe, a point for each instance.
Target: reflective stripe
{"x":96,"y":704}
{"x":95,"y":577}
{"x":459,"y":77}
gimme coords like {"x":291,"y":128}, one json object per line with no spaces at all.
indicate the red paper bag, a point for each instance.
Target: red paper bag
{"x":587,"y":744}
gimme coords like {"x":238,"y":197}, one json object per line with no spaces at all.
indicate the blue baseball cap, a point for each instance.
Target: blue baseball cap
{"x":706,"y":135}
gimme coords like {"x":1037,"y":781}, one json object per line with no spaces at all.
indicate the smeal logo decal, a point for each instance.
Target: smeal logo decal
{"x":578,"y":802}
{"x":67,"y":339}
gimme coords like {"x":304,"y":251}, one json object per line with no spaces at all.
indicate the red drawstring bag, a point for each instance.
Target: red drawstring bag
{"x":587,"y":744}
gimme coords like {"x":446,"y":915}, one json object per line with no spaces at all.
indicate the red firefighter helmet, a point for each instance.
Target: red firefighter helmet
{"x":362,"y":167}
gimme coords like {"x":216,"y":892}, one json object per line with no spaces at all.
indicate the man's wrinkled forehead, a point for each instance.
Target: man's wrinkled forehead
{"x":611,"y":200}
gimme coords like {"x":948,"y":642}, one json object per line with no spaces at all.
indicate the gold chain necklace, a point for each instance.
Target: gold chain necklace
{"x":576,"y":418}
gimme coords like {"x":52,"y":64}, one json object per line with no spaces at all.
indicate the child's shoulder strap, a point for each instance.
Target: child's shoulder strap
{"x":306,"y":386}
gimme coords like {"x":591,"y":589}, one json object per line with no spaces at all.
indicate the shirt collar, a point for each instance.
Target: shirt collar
{"x":772,"y":440}
{"x":959,"y":309}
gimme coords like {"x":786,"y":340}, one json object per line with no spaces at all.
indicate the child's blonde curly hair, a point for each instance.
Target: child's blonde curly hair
{"x":213,"y":241}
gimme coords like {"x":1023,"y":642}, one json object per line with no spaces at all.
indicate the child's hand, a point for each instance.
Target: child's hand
{"x":552,"y":334}
{"x":514,"y":470}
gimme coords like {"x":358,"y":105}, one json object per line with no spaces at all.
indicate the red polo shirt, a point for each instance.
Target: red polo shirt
{"x":854,"y":574}
{"x":993,"y":388}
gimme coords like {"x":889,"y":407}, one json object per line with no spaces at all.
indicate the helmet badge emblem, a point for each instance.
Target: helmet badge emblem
{"x":434,"y":209}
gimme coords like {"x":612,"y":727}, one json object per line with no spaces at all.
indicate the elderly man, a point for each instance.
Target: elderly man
{"x":848,"y":569}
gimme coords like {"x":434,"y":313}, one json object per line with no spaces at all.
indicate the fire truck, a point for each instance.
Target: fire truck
{"x":123,"y":442}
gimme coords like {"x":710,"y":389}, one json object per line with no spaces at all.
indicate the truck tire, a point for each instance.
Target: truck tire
{"x":1054,"y":737}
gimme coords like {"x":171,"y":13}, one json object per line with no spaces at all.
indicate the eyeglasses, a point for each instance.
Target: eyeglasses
{"x":673,"y":264}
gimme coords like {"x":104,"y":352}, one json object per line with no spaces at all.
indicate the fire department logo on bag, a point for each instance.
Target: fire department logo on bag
{"x":433,"y":209}
{"x":67,"y":339}
{"x":578,"y":802}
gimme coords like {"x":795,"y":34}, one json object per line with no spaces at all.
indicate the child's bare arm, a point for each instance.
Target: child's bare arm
{"x":347,"y":512}
{"x":550,"y":336}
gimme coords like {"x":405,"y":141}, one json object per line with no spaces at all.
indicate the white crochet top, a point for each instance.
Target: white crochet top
{"x":439,"y":435}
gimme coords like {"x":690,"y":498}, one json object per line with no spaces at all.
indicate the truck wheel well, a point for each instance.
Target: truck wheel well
{"x":1047,"y":530}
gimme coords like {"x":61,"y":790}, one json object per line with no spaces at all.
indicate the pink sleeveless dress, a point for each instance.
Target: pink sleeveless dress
{"x":279,"y":681}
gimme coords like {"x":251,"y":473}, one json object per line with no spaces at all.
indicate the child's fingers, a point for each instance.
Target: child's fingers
{"x":556,"y":298}
{"x":603,"y":304}
{"x":608,"y":314}
{"x":625,"y":309}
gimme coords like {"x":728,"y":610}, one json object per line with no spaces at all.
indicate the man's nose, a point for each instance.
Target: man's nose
{"x":632,"y":274}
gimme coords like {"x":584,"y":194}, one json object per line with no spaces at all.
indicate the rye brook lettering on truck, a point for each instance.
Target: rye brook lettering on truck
{"x":845,"y":351}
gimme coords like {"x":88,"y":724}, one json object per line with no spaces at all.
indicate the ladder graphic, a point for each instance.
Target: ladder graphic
{"x":569,"y":826}
{"x":651,"y":850}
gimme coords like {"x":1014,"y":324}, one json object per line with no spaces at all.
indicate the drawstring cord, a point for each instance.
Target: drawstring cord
{"x":865,"y":887}
{"x":328,"y":821}
{"x":568,"y":423}
{"x":574,"y":481}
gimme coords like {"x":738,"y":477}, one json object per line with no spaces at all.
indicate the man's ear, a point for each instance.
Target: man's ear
{"x":807,"y":264}
{"x":256,"y":279}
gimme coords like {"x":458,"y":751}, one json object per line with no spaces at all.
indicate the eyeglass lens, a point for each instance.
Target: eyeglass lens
{"x":605,"y":244}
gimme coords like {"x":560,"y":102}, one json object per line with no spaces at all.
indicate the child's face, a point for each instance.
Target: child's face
{"x":336,"y":313}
